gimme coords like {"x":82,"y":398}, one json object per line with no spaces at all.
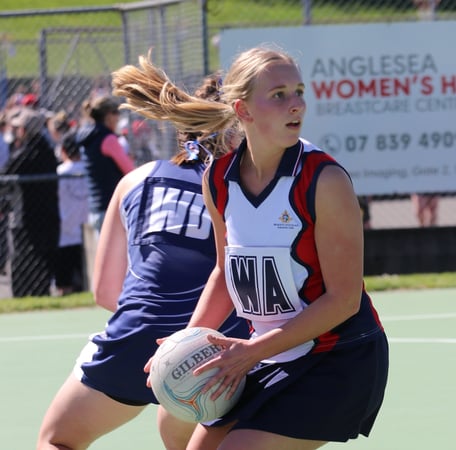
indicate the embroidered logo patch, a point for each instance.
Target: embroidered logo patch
{"x":285,"y":217}
{"x":286,"y":221}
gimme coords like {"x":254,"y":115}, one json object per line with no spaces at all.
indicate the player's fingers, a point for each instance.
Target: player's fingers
{"x":147,"y":366}
{"x":160,"y":341}
{"x":207,"y":366}
{"x":222,"y":341}
{"x":227,"y":387}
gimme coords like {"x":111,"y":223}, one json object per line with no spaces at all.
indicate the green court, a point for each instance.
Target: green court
{"x":37,"y":352}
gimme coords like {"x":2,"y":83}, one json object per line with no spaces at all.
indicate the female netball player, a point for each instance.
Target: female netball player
{"x":289,"y":259}
{"x":155,"y":253}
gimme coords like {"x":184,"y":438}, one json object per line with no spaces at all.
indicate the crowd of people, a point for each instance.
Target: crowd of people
{"x":59,"y":170}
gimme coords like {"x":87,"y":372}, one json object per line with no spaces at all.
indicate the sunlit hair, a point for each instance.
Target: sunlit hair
{"x":240,"y":79}
{"x":204,"y":145}
{"x":148,"y":91}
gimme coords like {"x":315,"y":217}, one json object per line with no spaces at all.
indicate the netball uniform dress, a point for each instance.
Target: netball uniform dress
{"x":331,"y":387}
{"x":171,"y":252}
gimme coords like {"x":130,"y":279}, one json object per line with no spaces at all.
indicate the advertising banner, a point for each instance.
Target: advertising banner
{"x":381,"y":98}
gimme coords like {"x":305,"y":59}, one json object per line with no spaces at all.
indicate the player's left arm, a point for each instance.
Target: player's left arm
{"x":339,"y":244}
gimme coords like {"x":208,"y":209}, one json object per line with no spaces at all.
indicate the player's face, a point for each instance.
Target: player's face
{"x":277,"y":104}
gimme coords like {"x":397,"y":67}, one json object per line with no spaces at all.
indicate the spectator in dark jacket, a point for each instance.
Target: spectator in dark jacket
{"x":104,"y":157}
{"x":35,"y":216}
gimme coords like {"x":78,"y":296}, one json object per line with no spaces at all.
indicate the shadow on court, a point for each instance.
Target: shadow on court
{"x":38,"y":350}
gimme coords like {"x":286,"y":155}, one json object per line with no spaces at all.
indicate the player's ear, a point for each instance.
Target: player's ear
{"x":242,"y":111}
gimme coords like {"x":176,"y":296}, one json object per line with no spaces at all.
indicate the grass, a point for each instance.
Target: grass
{"x":22,"y":60}
{"x":373,"y":284}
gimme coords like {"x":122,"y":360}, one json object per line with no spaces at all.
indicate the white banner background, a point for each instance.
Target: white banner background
{"x":381,"y":98}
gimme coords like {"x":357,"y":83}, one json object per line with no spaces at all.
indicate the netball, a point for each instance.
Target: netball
{"x":173,"y":382}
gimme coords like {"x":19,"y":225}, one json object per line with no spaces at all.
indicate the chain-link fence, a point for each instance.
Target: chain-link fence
{"x":54,"y":61}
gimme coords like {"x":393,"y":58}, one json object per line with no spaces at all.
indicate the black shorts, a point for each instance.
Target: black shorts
{"x":333,"y":396}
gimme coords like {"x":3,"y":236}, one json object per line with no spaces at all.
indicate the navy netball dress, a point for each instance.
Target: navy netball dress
{"x":171,"y":253}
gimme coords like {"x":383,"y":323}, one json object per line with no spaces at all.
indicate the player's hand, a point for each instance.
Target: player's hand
{"x":233,"y":362}
{"x":146,"y":369}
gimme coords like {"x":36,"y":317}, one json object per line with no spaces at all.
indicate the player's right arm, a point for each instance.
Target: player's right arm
{"x":111,"y":259}
{"x":111,"y":256}
{"x":215,"y":304}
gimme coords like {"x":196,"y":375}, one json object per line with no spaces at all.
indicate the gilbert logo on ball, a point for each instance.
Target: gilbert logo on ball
{"x":173,"y":382}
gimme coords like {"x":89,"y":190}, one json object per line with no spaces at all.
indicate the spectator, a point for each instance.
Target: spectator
{"x":58,"y":125}
{"x":104,"y":157}
{"x":30,"y":101}
{"x":425,"y":207}
{"x":4,"y":148}
{"x":35,"y":217}
{"x":364,"y":204}
{"x":143,"y":142}
{"x":73,"y":207}
{"x":4,"y":155}
{"x":426,"y":8}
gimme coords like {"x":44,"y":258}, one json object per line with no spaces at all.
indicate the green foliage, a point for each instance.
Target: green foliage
{"x":413,"y":281}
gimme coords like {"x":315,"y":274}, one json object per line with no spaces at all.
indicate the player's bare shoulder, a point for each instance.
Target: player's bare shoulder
{"x":134,"y":177}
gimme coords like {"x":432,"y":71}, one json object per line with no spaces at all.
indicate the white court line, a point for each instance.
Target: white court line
{"x":418,"y":317}
{"x":50,"y":337}
{"x":422,"y":340}
{"x":55,"y":337}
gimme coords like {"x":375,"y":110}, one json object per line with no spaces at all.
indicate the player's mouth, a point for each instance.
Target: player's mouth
{"x":294,"y":124}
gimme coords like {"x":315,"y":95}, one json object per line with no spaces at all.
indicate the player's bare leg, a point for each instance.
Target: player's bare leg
{"x":175,"y":433}
{"x":262,"y":440}
{"x":208,"y":438}
{"x":79,"y":415}
{"x":205,"y":438}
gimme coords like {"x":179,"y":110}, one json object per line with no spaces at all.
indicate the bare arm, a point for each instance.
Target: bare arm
{"x":111,"y":147}
{"x":339,"y":242}
{"x":111,"y":259}
{"x":214,"y":305}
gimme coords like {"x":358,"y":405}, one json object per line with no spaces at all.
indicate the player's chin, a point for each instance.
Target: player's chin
{"x":291,"y":140}
{"x":292,"y":133}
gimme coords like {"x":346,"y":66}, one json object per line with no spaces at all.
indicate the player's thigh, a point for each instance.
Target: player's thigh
{"x":175,"y":433}
{"x":245,"y":439}
{"x":78,"y":415}
{"x":208,"y":438}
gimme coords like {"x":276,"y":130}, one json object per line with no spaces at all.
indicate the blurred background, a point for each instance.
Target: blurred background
{"x":55,"y":61}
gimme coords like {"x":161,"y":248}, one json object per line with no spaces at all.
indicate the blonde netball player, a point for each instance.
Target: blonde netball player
{"x":289,"y":243}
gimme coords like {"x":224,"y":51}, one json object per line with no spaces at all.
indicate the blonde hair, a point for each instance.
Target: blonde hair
{"x":149,"y":92}
{"x":240,"y":79}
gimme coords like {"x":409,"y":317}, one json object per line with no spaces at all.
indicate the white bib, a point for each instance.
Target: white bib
{"x":261,"y":283}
